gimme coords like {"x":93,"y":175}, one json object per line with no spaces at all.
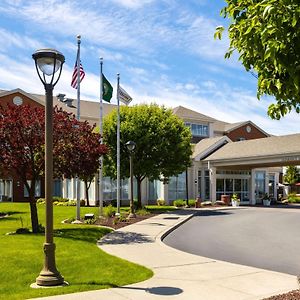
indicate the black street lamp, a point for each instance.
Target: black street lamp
{"x":131,"y":148}
{"x":47,"y":63}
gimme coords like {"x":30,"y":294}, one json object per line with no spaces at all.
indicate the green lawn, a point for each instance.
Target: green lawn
{"x":78,"y":258}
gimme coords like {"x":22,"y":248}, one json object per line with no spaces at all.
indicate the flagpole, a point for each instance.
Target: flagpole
{"x":118,"y":147}
{"x":78,"y":118}
{"x":101,"y":140}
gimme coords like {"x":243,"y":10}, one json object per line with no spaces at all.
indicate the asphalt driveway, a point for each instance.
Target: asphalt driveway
{"x":267,"y":238}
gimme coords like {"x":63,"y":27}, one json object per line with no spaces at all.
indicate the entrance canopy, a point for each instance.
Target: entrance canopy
{"x":265,"y":152}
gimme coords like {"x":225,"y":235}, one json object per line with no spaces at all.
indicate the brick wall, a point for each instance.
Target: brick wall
{"x":242,"y":132}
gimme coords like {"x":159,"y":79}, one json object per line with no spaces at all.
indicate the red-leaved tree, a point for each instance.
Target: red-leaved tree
{"x":22,"y":145}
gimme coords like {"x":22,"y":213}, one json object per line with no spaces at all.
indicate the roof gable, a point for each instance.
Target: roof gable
{"x":208,"y":146}
{"x":186,"y":113}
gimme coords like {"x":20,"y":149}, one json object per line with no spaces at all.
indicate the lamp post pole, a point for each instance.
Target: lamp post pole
{"x":131,"y":147}
{"x":48,"y":61}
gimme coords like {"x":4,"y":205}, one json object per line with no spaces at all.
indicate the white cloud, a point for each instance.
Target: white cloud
{"x":133,"y":3}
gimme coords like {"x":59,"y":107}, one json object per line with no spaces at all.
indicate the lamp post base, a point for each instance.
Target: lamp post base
{"x":49,"y":276}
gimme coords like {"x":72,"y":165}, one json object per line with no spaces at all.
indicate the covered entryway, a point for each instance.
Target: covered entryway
{"x":250,"y":168}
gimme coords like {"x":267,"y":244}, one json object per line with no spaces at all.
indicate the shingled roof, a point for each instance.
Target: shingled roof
{"x":269,"y":146}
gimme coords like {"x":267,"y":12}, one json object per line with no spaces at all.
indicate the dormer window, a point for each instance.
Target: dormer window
{"x":197,"y":129}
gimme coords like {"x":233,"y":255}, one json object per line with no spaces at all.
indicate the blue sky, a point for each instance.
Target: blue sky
{"x":163,"y":49}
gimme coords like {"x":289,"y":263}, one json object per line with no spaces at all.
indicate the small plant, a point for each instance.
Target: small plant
{"x":235,"y":197}
{"x":179,"y":203}
{"x":82,"y":202}
{"x":41,"y":228}
{"x":142,"y":212}
{"x":109,"y":211}
{"x":90,"y":221}
{"x":161,"y":202}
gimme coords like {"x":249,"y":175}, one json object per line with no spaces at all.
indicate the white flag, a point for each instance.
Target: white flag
{"x":123,"y":96}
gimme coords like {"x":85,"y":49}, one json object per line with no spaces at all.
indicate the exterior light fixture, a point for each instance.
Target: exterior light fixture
{"x":48,"y":62}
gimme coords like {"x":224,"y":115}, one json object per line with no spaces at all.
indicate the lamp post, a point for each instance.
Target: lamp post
{"x":131,"y":147}
{"x":47,"y":63}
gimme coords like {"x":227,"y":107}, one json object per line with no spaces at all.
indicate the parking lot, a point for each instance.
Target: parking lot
{"x":264,"y":237}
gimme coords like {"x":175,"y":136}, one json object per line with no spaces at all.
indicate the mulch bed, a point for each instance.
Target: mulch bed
{"x":293,"y":295}
{"x":110,"y":221}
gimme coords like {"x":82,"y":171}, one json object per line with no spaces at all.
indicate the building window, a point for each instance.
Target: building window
{"x":206,"y":192}
{"x":176,"y":187}
{"x":154,"y":189}
{"x":37,"y":188}
{"x":198,"y":129}
{"x":260,"y":180}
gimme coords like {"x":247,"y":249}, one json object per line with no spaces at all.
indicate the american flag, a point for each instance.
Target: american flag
{"x":74,"y":76}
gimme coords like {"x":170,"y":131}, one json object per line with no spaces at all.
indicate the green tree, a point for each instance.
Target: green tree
{"x":267,"y":36}
{"x":292,"y":175}
{"x":162,"y":143}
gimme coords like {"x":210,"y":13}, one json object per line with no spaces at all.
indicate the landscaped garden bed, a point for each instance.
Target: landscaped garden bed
{"x":293,"y":295}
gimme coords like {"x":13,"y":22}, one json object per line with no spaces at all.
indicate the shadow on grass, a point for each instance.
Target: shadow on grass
{"x":98,"y":283}
{"x":90,"y":235}
{"x":119,"y":238}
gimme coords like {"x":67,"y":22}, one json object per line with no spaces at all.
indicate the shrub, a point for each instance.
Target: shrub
{"x":109,"y":211}
{"x":192,"y":202}
{"x":22,"y":230}
{"x":179,"y":203}
{"x":142,"y":212}
{"x":60,"y":199}
{"x":161,"y":202}
{"x":90,"y":221}
{"x":41,"y":201}
{"x":82,"y":202}
{"x":292,"y":198}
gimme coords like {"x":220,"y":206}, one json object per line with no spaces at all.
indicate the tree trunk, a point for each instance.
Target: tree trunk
{"x":87,"y":192}
{"x":34,"y":215}
{"x":32,"y":202}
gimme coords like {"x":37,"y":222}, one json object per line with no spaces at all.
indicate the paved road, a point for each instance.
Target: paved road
{"x":267,"y":238}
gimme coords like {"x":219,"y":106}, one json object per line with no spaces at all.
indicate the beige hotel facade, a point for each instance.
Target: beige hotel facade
{"x":227,"y":158}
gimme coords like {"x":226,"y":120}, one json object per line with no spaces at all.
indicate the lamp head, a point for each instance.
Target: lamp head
{"x":130,"y":146}
{"x":48,"y":61}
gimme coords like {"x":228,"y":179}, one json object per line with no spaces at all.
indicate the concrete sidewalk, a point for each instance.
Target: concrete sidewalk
{"x":180,"y":275}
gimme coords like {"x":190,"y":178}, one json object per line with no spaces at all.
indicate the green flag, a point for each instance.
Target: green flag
{"x":107,"y":89}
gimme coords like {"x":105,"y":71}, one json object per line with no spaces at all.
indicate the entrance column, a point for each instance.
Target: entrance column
{"x":252,"y":188}
{"x":212,"y":181}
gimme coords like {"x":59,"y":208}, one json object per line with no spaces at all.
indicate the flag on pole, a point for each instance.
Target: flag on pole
{"x":124,"y":96}
{"x":75,"y":74}
{"x":107,"y":89}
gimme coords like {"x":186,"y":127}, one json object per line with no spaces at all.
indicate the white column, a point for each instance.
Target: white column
{"x":252,"y":188}
{"x":213,"y":181}
{"x":276,"y":179}
{"x":202,"y":184}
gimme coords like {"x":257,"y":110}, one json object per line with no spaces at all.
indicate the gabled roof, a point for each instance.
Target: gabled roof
{"x":208,"y":146}
{"x":20,"y":91}
{"x":188,"y":114}
{"x":263,"y":147}
{"x":89,"y":110}
{"x":230,"y":127}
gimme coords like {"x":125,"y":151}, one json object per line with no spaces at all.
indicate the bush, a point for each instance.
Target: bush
{"x":192,"y":202}
{"x":179,"y":203}
{"x":292,"y":198}
{"x":22,"y":230}
{"x":82,"y":202}
{"x":109,"y":211}
{"x":60,"y":199}
{"x":142,"y":212}
{"x":161,"y":202}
